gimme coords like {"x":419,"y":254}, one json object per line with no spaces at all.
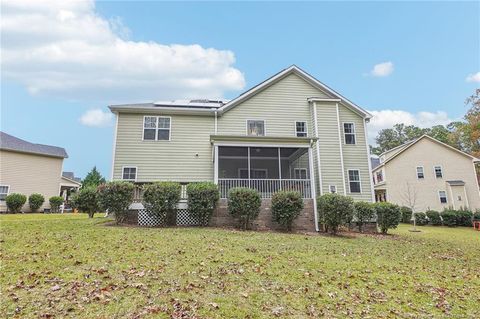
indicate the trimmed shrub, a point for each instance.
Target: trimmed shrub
{"x":388,"y":216}
{"x":476,"y":216}
{"x":161,"y":198}
{"x":15,"y":202}
{"x":335,"y":210}
{"x":464,"y":218}
{"x":449,"y":218}
{"x":116,"y":197}
{"x":202,"y":200}
{"x":35,"y":201}
{"x":364,"y":212}
{"x":406,"y":214}
{"x":286,"y":206}
{"x":420,"y":219}
{"x":434,"y":218}
{"x":86,"y":200}
{"x":244,"y":204}
{"x":55,"y":202}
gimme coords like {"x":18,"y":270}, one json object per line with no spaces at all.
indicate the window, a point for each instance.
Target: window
{"x":256,"y":127}
{"x":349,"y":131}
{"x":443,"y":197}
{"x":459,"y":198}
{"x":379,"y":176}
{"x":420,"y":173}
{"x":438,"y":172}
{"x":3,"y":191}
{"x":332,"y":189}
{"x":301,"y":129}
{"x":156,"y":128}
{"x":129,"y":173}
{"x":354,"y":180}
{"x":300,"y":173}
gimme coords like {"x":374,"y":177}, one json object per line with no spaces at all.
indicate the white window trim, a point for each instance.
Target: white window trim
{"x":359,"y":180}
{"x":136,"y":173}
{"x":300,"y":169}
{"x":330,"y":189}
{"x":423,"y":172}
{"x":264,"y":127}
{"x":306,"y":128}
{"x":440,"y":197}
{"x":157,"y":129}
{"x":8,"y":191}
{"x":435,"y":172}
{"x":354,"y":133}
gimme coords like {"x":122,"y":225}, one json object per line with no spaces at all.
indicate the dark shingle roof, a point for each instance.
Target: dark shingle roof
{"x":456,"y":183}
{"x":12,"y":143}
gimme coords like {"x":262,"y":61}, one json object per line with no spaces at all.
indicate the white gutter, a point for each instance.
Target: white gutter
{"x":314,"y":191}
{"x":341,"y":150}
{"x":114,"y":145}
{"x":216,"y":122}
{"x":370,"y":173}
{"x":319,"y":168}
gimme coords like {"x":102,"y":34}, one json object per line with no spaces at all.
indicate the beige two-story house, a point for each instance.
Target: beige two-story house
{"x":427,"y":174}
{"x":28,"y":168}
{"x":289,"y":132}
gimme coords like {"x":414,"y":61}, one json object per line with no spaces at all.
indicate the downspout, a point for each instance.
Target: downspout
{"x":370,"y":173}
{"x":117,"y":115}
{"x":312,"y":180}
{"x":317,"y":148}
{"x":216,"y":125}
{"x":341,"y":151}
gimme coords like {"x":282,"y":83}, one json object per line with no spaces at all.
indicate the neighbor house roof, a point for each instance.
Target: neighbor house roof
{"x":71,"y":175}
{"x":375,"y":161}
{"x":456,"y":183}
{"x":210,"y":106}
{"x":12,"y":143}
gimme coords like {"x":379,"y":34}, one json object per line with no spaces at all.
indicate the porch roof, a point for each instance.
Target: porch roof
{"x":264,"y":140}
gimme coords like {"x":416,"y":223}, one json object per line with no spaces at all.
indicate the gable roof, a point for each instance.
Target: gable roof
{"x":304,"y":75}
{"x":12,"y":143}
{"x":413,"y":142}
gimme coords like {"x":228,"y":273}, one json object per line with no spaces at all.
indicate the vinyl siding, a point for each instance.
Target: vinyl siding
{"x":330,"y":162}
{"x":27,"y":174}
{"x":427,"y":153}
{"x":280,"y":106}
{"x":173,"y":160}
{"x":356,"y":156}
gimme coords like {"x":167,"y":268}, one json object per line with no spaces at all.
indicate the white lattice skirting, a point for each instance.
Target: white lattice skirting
{"x":183,"y":219}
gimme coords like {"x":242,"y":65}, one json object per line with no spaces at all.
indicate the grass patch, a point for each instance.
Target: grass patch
{"x":71,"y":266}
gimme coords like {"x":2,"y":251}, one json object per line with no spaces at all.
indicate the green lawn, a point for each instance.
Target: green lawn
{"x":72,"y":266}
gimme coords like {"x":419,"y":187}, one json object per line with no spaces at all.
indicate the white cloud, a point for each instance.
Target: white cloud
{"x":67,"y":49}
{"x":382,"y":69}
{"x":473,"y":77}
{"x":388,"y":118}
{"x":96,"y":118}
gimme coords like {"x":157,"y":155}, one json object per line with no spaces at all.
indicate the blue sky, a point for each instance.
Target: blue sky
{"x":88,"y":55}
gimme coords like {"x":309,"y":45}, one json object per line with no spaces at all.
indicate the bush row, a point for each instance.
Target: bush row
{"x":15,"y":202}
{"x":448,"y":217}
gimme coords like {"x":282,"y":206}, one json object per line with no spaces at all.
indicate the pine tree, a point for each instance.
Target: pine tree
{"x":93,"y":178}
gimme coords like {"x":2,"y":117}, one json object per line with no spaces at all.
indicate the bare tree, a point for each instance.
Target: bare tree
{"x":409,"y":197}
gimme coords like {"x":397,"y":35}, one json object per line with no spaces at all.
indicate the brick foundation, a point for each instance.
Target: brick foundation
{"x":304,"y":222}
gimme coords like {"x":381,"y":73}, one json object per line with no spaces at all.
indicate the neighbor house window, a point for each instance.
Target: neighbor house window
{"x":300,"y":173}
{"x":379,"y":177}
{"x":443,"y":197}
{"x":354,"y":181}
{"x":420,"y":173}
{"x":129,"y":173}
{"x":332,"y":189}
{"x":156,"y":128}
{"x":349,"y":131}
{"x":256,"y":127}
{"x":3,"y":191}
{"x":438,"y":172}
{"x":301,"y":129}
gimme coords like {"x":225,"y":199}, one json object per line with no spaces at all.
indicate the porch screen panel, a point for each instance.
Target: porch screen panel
{"x":295,"y":163}
{"x":233,"y":162}
{"x":264,"y":163}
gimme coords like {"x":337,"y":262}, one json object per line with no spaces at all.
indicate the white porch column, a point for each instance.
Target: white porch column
{"x":312,"y":186}
{"x":215,"y":165}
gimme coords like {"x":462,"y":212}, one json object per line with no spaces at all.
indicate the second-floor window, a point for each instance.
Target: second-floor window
{"x":156,"y":128}
{"x":301,"y":129}
{"x":354,"y":180}
{"x":129,"y":173}
{"x":379,"y":177}
{"x":420,"y":174}
{"x":438,"y":172}
{"x":349,"y":132}
{"x":256,"y":127}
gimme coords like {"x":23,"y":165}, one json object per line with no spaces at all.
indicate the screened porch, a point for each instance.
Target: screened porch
{"x":266,"y":169}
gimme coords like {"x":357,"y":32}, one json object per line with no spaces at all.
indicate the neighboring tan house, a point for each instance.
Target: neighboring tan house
{"x":288,"y":132}
{"x":28,"y":168}
{"x":427,"y":174}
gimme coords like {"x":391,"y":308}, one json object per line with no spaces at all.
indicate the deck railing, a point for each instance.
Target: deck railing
{"x":266,"y":187}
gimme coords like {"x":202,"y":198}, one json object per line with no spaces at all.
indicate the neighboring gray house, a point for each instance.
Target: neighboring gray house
{"x":427,"y":174}
{"x":28,"y":168}
{"x":289,"y":132}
